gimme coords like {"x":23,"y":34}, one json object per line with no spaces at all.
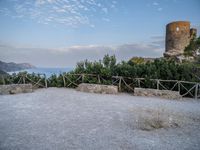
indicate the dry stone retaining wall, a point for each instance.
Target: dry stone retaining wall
{"x":97,"y":88}
{"x":160,"y":93}
{"x":15,"y":88}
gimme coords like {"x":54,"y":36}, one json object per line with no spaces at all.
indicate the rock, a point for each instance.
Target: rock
{"x":97,"y":88}
{"x":15,"y":88}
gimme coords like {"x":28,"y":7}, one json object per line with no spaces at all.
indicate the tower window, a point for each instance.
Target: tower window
{"x":177,"y":29}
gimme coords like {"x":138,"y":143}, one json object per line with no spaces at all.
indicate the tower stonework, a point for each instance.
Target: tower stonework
{"x":178,"y":36}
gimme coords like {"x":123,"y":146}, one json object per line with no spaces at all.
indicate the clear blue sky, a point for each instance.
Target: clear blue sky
{"x":80,"y":29}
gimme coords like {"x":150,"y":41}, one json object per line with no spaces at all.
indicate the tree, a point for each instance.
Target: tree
{"x":193,"y":49}
{"x":109,"y":61}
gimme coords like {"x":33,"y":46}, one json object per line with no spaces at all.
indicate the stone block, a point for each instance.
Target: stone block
{"x":159,"y":93}
{"x":97,"y":88}
{"x":15,"y":88}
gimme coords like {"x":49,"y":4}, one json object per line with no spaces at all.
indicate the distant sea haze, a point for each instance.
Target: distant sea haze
{"x":47,"y":71}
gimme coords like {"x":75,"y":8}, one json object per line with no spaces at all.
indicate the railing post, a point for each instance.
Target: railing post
{"x":179,"y":87}
{"x":158,"y":82}
{"x":99,"y":80}
{"x":139,"y":83}
{"x":45,"y":80}
{"x":120,"y":82}
{"x":23,"y":79}
{"x":64,"y":80}
{"x":83,"y":78}
{"x":196,"y":91}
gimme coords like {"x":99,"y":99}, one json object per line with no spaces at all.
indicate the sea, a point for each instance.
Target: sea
{"x":47,"y":71}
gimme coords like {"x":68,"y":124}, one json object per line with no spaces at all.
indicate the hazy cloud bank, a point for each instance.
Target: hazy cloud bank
{"x":68,"y":57}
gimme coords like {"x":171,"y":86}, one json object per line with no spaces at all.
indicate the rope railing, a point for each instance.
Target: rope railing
{"x":185,"y":88}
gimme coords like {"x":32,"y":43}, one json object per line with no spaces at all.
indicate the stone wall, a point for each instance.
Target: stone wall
{"x":97,"y":88}
{"x":159,"y":93}
{"x":15,"y":88}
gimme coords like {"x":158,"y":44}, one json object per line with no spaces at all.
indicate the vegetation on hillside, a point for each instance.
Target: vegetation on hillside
{"x":193,"y":49}
{"x":158,"y":69}
{"x":108,"y":67}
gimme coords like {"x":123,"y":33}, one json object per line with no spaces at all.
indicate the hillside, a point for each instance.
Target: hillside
{"x":7,"y":67}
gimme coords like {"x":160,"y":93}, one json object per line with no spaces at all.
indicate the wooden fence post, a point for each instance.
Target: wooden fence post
{"x":179,"y":87}
{"x":83,"y":78}
{"x":158,"y":82}
{"x":64,"y":80}
{"x":120,"y":82}
{"x":23,"y":79}
{"x":45,"y":80}
{"x":139,"y":83}
{"x":196,"y":91}
{"x":99,"y":80}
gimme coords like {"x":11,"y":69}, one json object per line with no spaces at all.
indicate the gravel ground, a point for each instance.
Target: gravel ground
{"x":58,"y":119}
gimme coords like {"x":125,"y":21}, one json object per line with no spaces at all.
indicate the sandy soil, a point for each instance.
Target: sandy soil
{"x":66,"y":119}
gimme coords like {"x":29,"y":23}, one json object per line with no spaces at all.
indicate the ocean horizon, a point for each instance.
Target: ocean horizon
{"x":47,"y":71}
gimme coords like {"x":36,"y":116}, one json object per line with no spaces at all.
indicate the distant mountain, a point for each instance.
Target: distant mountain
{"x":7,"y":67}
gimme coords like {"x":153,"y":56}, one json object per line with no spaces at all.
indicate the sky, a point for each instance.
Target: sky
{"x":59,"y":33}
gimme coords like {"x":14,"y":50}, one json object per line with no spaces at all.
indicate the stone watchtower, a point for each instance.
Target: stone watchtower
{"x":178,"y":36}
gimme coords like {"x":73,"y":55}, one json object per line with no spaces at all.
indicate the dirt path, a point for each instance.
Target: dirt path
{"x":66,"y":119}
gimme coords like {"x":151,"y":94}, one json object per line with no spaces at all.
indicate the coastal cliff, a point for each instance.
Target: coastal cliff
{"x":7,"y":67}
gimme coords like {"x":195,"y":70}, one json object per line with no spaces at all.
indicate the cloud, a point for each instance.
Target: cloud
{"x":105,"y":10}
{"x":106,"y":19}
{"x":160,"y":9}
{"x":68,"y":57}
{"x":157,"y":6}
{"x":157,"y":37}
{"x":68,"y":12}
{"x":158,"y":41}
{"x":155,"y":3}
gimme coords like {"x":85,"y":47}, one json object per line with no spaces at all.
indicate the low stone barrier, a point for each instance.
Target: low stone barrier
{"x":160,"y":93}
{"x":97,"y":88}
{"x":15,"y":88}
